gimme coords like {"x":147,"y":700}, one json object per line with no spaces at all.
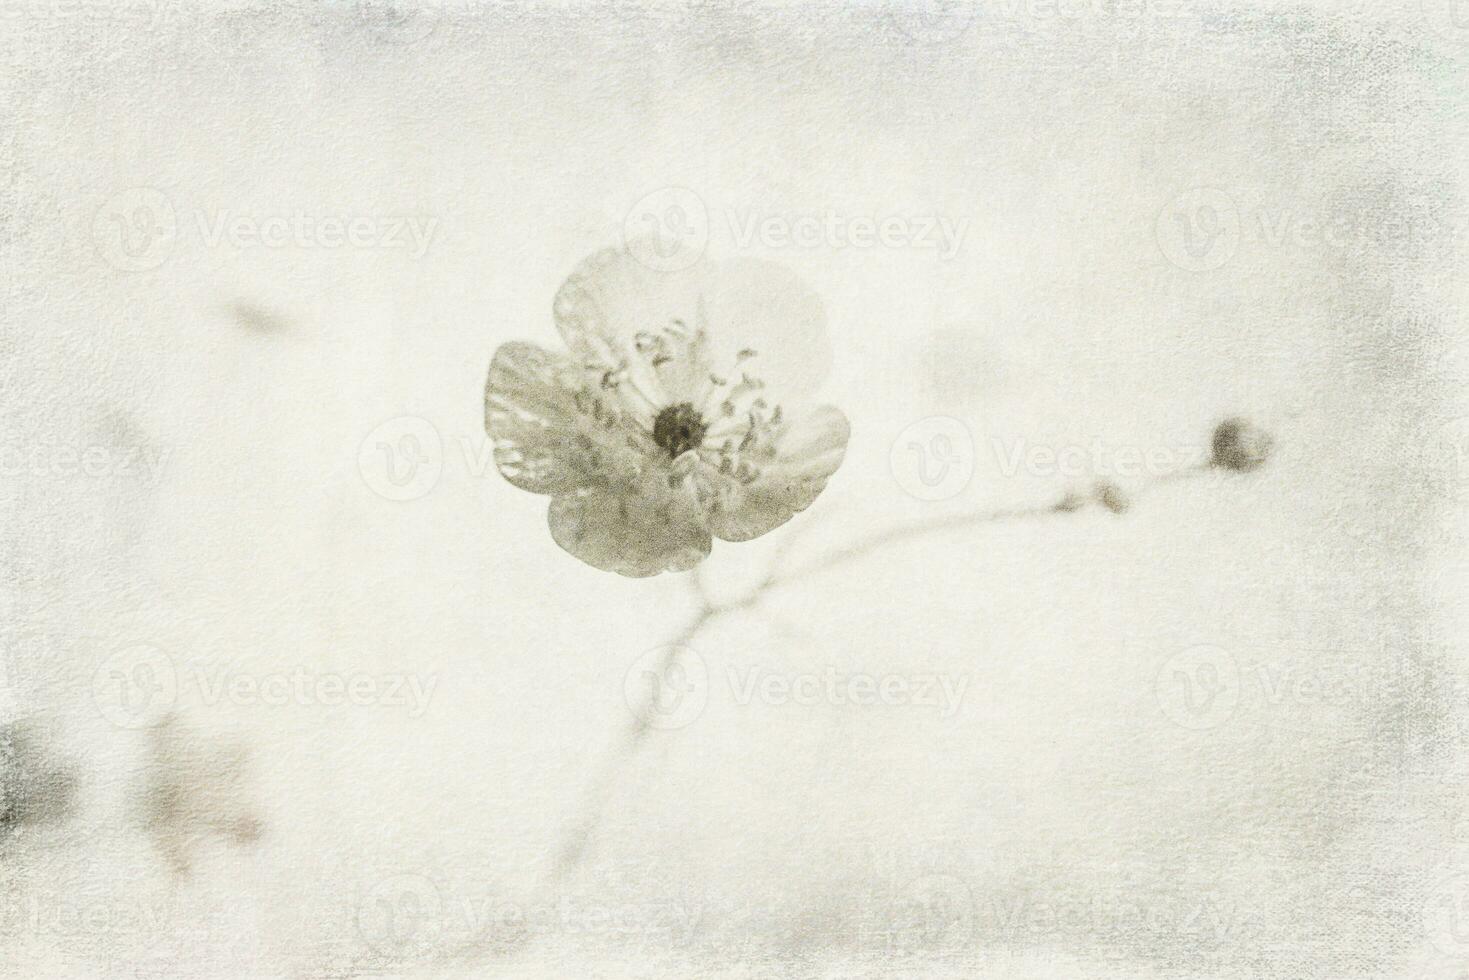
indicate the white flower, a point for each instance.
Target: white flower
{"x":649,"y":436}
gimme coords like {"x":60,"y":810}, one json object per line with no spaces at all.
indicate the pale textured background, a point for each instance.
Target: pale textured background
{"x":1294,"y":837}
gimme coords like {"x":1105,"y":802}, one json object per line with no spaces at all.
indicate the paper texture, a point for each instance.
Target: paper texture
{"x":298,"y":681}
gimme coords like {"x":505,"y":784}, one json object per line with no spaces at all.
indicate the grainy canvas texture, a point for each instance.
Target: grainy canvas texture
{"x":378,"y":603}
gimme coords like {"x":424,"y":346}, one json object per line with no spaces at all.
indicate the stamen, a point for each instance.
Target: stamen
{"x":678,"y":429}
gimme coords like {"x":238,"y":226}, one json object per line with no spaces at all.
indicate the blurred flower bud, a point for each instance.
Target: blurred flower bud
{"x":1071,"y":503}
{"x":1110,"y":496}
{"x":1240,"y":445}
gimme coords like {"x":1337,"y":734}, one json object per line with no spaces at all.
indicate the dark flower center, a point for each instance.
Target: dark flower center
{"x":679,"y":428}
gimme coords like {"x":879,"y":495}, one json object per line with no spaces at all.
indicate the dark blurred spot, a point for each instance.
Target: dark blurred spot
{"x":197,"y":787}
{"x":393,"y":22}
{"x":257,"y":319}
{"x":1240,"y":445}
{"x":957,"y":365}
{"x":1110,"y":496}
{"x":35,"y":787}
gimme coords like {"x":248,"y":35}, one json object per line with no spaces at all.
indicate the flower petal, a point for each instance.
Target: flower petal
{"x":806,"y":454}
{"x":551,"y":430}
{"x":766,"y":307}
{"x":616,"y":312}
{"x":641,"y":531}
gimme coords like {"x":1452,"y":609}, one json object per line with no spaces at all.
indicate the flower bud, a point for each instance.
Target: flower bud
{"x":1241,"y":445}
{"x":1110,"y":496}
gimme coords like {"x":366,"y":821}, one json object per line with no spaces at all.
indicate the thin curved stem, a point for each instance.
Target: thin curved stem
{"x":578,"y":836}
{"x":1069,"y":503}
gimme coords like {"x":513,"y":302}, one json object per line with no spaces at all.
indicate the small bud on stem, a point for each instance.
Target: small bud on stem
{"x":1240,"y":445}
